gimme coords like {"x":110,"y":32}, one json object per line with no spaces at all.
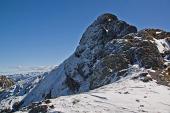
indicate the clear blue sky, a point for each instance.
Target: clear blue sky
{"x":45,"y":32}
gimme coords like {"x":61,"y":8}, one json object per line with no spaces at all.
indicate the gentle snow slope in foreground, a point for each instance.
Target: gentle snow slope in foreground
{"x":129,"y":96}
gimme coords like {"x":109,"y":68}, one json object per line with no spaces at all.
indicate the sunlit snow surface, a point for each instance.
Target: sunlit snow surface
{"x":124,"y":96}
{"x":162,"y":45}
{"x":128,"y":96}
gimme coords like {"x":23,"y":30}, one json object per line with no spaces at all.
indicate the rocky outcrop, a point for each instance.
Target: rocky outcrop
{"x":121,"y":52}
{"x":165,"y":76}
{"x":162,"y":76}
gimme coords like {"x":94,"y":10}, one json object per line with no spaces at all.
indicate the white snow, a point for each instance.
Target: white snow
{"x":158,"y":32}
{"x":106,"y":29}
{"x":162,"y":45}
{"x":124,"y":97}
{"x":109,"y":19}
{"x":129,"y":96}
{"x":138,"y":37}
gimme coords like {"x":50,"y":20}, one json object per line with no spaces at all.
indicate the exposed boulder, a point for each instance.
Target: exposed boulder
{"x":165,"y":77}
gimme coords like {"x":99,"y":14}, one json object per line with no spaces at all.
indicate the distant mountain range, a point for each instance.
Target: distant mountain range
{"x":24,"y":69}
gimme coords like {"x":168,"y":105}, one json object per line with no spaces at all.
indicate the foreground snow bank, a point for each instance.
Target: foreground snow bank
{"x":129,"y":96}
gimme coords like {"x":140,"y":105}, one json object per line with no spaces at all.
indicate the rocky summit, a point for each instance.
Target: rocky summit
{"x":108,"y":51}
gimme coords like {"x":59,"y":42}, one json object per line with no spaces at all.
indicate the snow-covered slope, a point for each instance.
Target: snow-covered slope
{"x":124,"y":97}
{"x":128,"y":95}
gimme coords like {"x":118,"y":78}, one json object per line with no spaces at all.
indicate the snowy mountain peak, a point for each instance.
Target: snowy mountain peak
{"x":105,"y":28}
{"x":109,"y":51}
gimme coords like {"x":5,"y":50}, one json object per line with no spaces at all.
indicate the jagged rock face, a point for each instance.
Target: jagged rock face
{"x":121,"y":52}
{"x":110,"y":45}
{"x":104,"y":54}
{"x":109,"y":49}
{"x":94,"y":46}
{"x":104,"y":29}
